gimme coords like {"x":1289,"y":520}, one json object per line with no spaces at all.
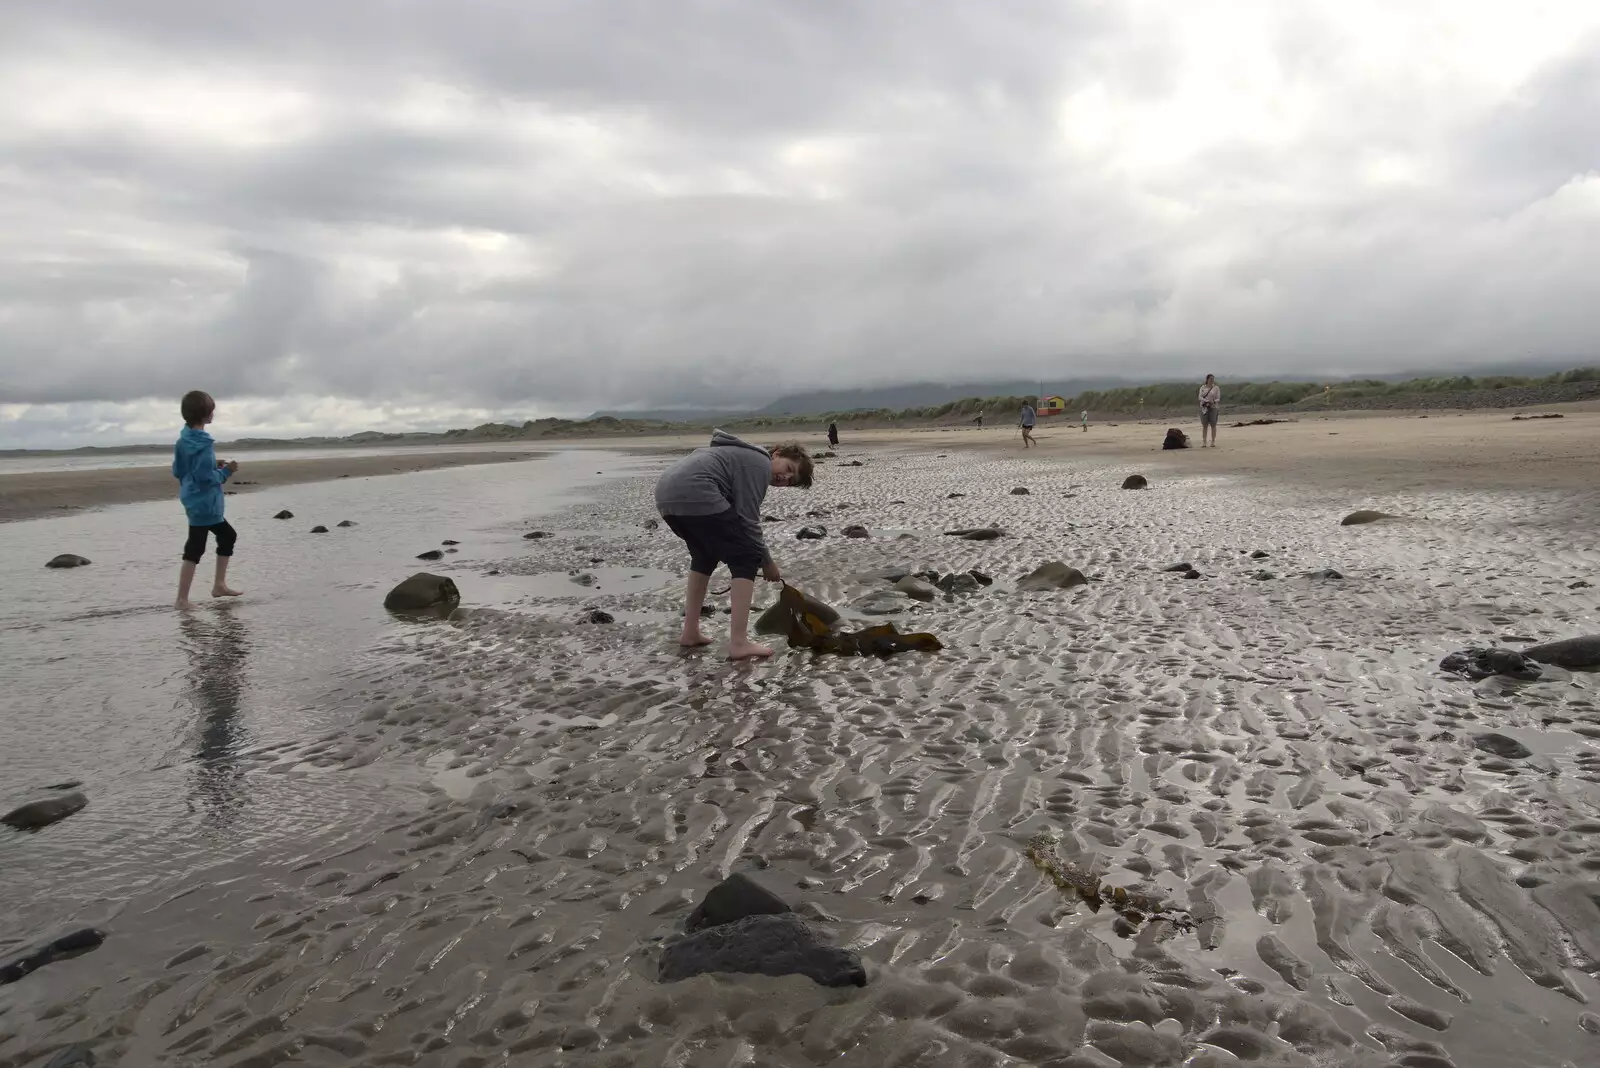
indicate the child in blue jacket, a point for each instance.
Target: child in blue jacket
{"x":200,"y":477}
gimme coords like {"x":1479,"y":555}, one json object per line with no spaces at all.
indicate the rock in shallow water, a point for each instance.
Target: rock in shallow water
{"x":67,"y":946}
{"x":431,"y":554}
{"x":422,"y":591}
{"x":319,"y":529}
{"x":975,"y":533}
{"x":68,"y":560}
{"x":856,"y":531}
{"x":37,"y":814}
{"x":285,"y":514}
{"x":763,"y":945}
{"x":811,"y":533}
{"x":1574,"y":654}
{"x":916,"y":589}
{"x":734,"y":898}
{"x":1502,"y":746}
{"x":1477,"y":663}
{"x":1052,"y":576}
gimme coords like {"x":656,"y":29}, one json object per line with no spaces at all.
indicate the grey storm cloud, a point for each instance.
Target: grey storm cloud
{"x":524,"y":208}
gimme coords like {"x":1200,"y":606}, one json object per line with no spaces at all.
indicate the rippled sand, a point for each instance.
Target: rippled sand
{"x":1277,"y":758}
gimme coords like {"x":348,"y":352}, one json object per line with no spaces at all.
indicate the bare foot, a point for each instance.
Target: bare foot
{"x":185,"y":606}
{"x":225,"y":591}
{"x":692,"y":638}
{"x":747,"y":650}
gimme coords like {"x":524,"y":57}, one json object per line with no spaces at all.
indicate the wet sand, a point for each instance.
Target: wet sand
{"x":1272,"y":753}
{"x":50,"y":493}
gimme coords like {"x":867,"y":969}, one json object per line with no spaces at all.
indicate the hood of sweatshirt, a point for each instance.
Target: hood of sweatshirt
{"x":192,"y":441}
{"x":723,"y":438}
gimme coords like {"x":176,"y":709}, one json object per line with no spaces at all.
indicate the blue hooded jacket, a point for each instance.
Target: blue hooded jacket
{"x":194,"y":465}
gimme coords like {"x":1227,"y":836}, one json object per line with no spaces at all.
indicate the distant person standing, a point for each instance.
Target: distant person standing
{"x":1210,"y":409}
{"x":1028,"y":419}
{"x":1086,"y":420}
{"x":833,"y":435}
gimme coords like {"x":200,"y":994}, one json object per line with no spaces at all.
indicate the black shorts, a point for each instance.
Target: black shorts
{"x":721,"y":538}
{"x":194,"y":547}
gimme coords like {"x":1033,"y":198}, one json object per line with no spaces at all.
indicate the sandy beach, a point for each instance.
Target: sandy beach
{"x":1342,"y":855}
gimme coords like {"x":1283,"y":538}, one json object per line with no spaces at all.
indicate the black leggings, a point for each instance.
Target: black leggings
{"x":195,"y":547}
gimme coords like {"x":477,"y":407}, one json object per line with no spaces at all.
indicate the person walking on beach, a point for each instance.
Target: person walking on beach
{"x":712,"y":500}
{"x":1028,"y":417}
{"x":833,"y":435}
{"x":200,"y":477}
{"x":1086,"y":420}
{"x":1210,"y":408}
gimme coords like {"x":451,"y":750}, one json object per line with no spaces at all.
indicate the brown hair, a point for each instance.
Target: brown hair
{"x":196,"y":406}
{"x":802,"y":459}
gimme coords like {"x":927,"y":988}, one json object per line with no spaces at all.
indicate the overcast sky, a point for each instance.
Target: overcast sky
{"x":419,"y":213}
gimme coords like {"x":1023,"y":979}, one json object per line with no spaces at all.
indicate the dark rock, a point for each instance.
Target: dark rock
{"x":285,"y":514}
{"x":345,"y":523}
{"x":1578,"y":585}
{"x":1541,"y":415}
{"x":1324,"y":573}
{"x":916,"y":589}
{"x":959,"y":582}
{"x":763,"y":945}
{"x":68,"y":560}
{"x":856,"y":530}
{"x":1479,"y":663}
{"x":953,"y":496}
{"x":70,"y":784}
{"x":423,"y":591}
{"x":1574,"y":654}
{"x":1135,"y":482}
{"x":983,"y":579}
{"x":535,"y":535}
{"x":1501,"y":746}
{"x":449,"y":541}
{"x":652,"y":524}
{"x":1191,"y":574}
{"x":67,"y":946}
{"x":976,"y":533}
{"x":37,"y":814}
{"x":1020,"y":491}
{"x":431,"y":554}
{"x":597,"y":616}
{"x":811,"y":533}
{"x":1052,"y":576}
{"x":1179,"y":568}
{"x":1263,"y":576}
{"x":775,"y":620}
{"x":583,"y":579}
{"x":1260,"y":554}
{"x":1364,"y":515}
{"x":769,"y":519}
{"x":732,"y":899}
{"x":319,"y":529}
{"x":852,"y":463}
{"x":1175,"y":439}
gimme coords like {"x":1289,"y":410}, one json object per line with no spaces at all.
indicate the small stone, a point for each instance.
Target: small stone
{"x":535,"y":535}
{"x":1179,"y":568}
{"x":1479,"y":663}
{"x":976,"y":533}
{"x":953,"y":496}
{"x":763,"y":945}
{"x":959,"y":582}
{"x":1135,"y":482}
{"x":1052,"y":576}
{"x":652,"y":524}
{"x":916,"y":589}
{"x":1260,"y":554}
{"x":68,"y":560}
{"x":597,"y":616}
{"x":449,"y":541}
{"x":319,"y":529}
{"x":1501,"y":746}
{"x":37,"y":814}
{"x":1324,"y":573}
{"x":855,"y":530}
{"x":431,"y":554}
{"x":811,"y":533}
{"x":1578,"y":585}
{"x":285,"y":514}
{"x":422,"y":591}
{"x":852,"y":463}
{"x":769,"y":519}
{"x":1363,"y":516}
{"x":982,"y":578}
{"x":583,"y":579}
{"x":344,"y":523}
{"x":1020,"y":491}
{"x":1264,"y":576}
{"x":1191,"y":574}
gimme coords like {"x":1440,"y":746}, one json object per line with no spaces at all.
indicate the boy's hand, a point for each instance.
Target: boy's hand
{"x":232,"y":466}
{"x":771,"y":573}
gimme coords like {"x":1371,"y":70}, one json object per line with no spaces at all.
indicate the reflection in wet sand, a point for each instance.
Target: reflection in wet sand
{"x":216,"y":648}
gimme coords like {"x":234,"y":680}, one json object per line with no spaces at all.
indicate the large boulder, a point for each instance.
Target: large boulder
{"x":1135,"y":482}
{"x":68,"y":560}
{"x":37,"y":814}
{"x":1363,"y":516}
{"x":1052,"y":576}
{"x":1574,"y":654}
{"x":782,"y":944}
{"x":1175,"y":439}
{"x":732,"y":899}
{"x":1479,"y":663}
{"x":421,"y":592}
{"x":775,"y":620}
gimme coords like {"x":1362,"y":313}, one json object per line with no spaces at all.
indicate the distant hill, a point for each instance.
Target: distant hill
{"x":671,"y":415}
{"x":925,"y":395}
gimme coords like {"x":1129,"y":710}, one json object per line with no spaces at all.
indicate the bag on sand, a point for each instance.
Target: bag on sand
{"x":807,"y":628}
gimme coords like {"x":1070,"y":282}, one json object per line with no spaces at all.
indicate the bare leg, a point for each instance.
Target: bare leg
{"x":694,"y":596}
{"x":219,"y":587}
{"x":740,"y":647}
{"x":185,"y":580}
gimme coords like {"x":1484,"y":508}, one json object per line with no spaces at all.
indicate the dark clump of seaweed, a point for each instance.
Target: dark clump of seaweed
{"x":1133,"y":906}
{"x":807,"y":629}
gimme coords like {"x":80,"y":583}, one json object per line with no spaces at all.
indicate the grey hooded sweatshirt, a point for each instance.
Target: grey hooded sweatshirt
{"x":729,"y":473}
